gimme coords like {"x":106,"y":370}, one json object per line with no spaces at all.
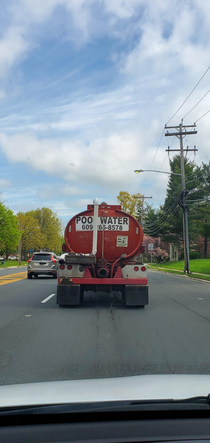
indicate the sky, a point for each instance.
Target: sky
{"x":86,"y":88}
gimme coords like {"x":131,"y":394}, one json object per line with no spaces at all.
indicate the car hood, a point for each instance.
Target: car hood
{"x":141,"y":387}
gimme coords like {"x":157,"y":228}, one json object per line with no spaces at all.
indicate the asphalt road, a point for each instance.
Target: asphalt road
{"x":40,"y":341}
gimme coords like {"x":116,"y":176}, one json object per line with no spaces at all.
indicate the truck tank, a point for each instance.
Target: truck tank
{"x":119,"y":233}
{"x":103,"y":246}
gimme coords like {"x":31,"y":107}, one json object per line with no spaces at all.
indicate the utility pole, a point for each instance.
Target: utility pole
{"x":182,"y":132}
{"x":19,"y":251}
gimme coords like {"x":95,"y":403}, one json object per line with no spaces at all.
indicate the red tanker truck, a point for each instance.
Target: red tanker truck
{"x":103,"y":246}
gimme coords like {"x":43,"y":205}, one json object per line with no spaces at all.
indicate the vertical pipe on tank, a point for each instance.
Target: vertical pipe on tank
{"x":95,"y":223}
{"x":103,"y":235}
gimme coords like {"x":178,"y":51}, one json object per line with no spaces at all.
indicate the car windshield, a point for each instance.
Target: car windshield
{"x":104,"y":190}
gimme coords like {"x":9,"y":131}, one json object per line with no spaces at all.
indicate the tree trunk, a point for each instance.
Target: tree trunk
{"x":205,"y":247}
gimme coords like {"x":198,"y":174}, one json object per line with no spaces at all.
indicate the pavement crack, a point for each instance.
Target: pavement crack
{"x":112,"y":314}
{"x":157,"y":333}
{"x":189,"y":309}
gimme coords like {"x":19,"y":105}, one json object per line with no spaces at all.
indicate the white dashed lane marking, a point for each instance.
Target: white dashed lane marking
{"x":48,"y":298}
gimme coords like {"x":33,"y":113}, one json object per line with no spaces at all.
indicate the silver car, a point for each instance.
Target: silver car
{"x":42,"y":263}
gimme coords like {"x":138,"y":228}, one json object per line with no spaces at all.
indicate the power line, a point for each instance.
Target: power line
{"x":198,"y":190}
{"x":188,"y":95}
{"x":153,"y":158}
{"x":154,"y":227}
{"x":160,"y":169}
{"x":161,"y":218}
{"x":197,"y":176}
{"x":156,"y":174}
{"x":202,"y":116}
{"x":159,"y":226}
{"x":167,"y":210}
{"x":196,"y":104}
{"x":203,"y":155}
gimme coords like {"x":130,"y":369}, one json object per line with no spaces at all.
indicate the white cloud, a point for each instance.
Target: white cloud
{"x":53,"y":191}
{"x":4,"y":183}
{"x":168,"y":42}
{"x":12,"y":48}
{"x":107,"y":162}
{"x":99,"y":112}
{"x":99,"y":139}
{"x":123,"y":9}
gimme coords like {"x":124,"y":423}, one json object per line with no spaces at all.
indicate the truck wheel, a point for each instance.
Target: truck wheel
{"x":35,"y":275}
{"x":54,"y":275}
{"x":30,"y":276}
{"x":142,"y":306}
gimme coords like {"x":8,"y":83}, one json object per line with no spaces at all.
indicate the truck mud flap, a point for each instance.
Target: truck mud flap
{"x":136,"y":295}
{"x":68,"y":295}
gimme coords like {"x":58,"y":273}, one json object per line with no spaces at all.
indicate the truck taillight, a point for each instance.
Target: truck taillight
{"x":62,"y":267}
{"x":69,"y":267}
{"x":136,"y":268}
{"x":143,"y":268}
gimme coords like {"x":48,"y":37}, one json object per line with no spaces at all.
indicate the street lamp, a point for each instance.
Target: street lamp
{"x":185,"y":217}
{"x":137,"y":171}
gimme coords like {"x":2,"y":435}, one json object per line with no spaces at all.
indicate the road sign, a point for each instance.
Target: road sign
{"x":150,"y":246}
{"x":31,"y":250}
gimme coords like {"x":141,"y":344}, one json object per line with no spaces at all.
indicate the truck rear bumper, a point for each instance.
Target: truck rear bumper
{"x":104,"y":281}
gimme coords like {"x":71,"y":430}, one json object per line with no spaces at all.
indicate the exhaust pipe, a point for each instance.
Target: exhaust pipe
{"x":103,"y":272}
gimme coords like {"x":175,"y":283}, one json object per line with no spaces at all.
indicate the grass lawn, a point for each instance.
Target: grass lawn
{"x":8,"y":263}
{"x":196,"y":265}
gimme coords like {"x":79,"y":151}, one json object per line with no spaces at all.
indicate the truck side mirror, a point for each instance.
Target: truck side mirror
{"x":64,"y":248}
{"x":142,"y":249}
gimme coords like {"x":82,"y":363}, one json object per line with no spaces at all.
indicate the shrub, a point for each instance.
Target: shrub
{"x":193,"y":255}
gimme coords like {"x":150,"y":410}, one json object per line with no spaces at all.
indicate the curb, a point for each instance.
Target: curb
{"x":15,"y":267}
{"x":179,"y":275}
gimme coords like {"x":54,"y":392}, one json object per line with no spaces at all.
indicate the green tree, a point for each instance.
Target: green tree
{"x":200,"y":222}
{"x":152,"y":221}
{"x":205,"y":232}
{"x":171,"y":210}
{"x":31,"y":236}
{"x":50,"y":227}
{"x":9,"y":233}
